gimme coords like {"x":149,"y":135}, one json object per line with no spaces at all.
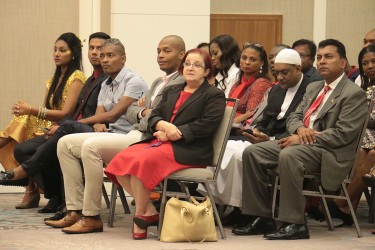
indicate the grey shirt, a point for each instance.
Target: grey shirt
{"x":126,"y":83}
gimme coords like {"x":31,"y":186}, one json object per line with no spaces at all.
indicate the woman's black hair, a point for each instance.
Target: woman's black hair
{"x":230,"y":54}
{"x":365,"y":81}
{"x":75,"y":46}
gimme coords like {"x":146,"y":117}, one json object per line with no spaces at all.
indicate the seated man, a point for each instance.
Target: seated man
{"x":307,"y":50}
{"x":85,"y":198}
{"x":117,"y":93}
{"x":283,"y":100}
{"x":324,"y":132}
{"x":31,"y":154}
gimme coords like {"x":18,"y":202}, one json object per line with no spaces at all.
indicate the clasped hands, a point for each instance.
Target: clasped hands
{"x":304,"y":136}
{"x":167,"y":132}
{"x":21,"y":108}
{"x":142,"y":103}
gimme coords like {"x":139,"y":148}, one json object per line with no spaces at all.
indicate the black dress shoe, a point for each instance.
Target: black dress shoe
{"x":257,"y":226}
{"x":6,"y":179}
{"x":290,"y":232}
{"x":233,"y":217}
{"x":245,"y":220}
{"x":315,"y":213}
{"x":59,"y":214}
{"x":52,"y":205}
{"x":335,"y":211}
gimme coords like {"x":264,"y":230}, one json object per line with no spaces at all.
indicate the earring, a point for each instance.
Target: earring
{"x":73,"y":57}
{"x":260,"y":70}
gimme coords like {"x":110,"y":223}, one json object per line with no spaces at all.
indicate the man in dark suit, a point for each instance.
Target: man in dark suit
{"x":324,"y":132}
{"x":307,"y":50}
{"x":32,"y":155}
{"x":282,"y":100}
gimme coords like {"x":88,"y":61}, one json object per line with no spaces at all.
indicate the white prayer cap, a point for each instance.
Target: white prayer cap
{"x":289,"y":56}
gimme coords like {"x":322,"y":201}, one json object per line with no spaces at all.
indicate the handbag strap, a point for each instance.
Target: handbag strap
{"x":185,"y":211}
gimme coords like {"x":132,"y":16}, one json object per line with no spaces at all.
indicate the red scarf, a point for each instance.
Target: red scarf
{"x":240,"y":90}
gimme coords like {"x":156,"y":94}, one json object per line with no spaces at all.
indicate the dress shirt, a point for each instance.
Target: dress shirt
{"x":332,"y":85}
{"x":290,"y":93}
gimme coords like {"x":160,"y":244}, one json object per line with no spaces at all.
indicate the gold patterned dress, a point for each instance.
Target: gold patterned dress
{"x":24,"y":127}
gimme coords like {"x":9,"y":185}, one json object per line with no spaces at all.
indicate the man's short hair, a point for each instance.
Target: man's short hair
{"x":339,"y":46}
{"x":116,"y":42}
{"x":310,"y":44}
{"x":100,"y":35}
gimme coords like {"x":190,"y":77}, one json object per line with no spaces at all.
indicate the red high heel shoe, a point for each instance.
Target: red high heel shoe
{"x":143,"y":221}
{"x":140,"y":236}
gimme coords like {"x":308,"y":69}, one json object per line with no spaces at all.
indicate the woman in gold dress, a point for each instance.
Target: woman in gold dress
{"x":60,"y":100}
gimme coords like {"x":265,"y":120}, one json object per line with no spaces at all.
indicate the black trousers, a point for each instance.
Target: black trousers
{"x":38,"y":157}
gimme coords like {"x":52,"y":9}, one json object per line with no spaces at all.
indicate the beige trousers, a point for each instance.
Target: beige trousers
{"x":94,"y":150}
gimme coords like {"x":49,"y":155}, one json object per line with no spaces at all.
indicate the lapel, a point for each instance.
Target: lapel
{"x":151,"y":92}
{"x":313,"y":96}
{"x":297,"y":97}
{"x":196,"y":95}
{"x":331,"y":102}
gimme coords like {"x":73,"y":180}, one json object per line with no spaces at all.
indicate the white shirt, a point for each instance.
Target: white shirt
{"x":230,"y":80}
{"x":290,"y":93}
{"x":332,"y":85}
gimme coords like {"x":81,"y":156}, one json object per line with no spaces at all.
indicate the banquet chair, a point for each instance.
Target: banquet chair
{"x":341,"y":193}
{"x":202,"y":175}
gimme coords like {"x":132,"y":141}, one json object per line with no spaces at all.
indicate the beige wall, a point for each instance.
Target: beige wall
{"x":296,"y":23}
{"x":28,"y":30}
{"x":346,"y":20}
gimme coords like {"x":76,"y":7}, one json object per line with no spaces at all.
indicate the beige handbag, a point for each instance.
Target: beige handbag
{"x":186,"y":221}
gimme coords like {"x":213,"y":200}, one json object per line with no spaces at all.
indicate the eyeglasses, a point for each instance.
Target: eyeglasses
{"x":247,"y":44}
{"x":194,"y":65}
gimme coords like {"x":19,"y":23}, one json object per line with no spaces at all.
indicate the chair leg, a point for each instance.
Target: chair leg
{"x":123,"y":200}
{"x":162,"y":207}
{"x":274,"y":196}
{"x":371,"y":216}
{"x":105,"y":195}
{"x":343,"y":185}
{"x":112,"y":205}
{"x":326,"y":210}
{"x":216,"y":213}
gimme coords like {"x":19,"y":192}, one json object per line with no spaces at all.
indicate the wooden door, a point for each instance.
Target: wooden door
{"x":264,"y":29}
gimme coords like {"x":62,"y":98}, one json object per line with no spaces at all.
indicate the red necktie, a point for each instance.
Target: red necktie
{"x":318,"y":101}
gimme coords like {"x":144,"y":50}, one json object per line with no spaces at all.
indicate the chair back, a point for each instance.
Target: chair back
{"x":222,"y":133}
{"x":360,"y":140}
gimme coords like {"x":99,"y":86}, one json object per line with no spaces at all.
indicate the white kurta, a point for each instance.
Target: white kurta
{"x":228,"y":187}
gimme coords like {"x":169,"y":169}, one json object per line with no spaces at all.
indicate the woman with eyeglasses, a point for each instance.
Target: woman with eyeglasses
{"x":182,"y":125}
{"x":59,"y":102}
{"x":252,"y":83}
{"x":225,"y":55}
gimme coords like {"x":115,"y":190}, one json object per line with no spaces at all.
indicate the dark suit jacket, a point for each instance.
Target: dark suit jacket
{"x":90,"y":101}
{"x":312,"y":75}
{"x":197,"y":119}
{"x":269,"y":123}
{"x":340,"y":120}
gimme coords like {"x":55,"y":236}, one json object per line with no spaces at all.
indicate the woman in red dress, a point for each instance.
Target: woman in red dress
{"x":182,"y":125}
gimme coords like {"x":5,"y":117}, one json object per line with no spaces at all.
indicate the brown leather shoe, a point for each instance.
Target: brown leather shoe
{"x":85,"y":225}
{"x":70,"y":218}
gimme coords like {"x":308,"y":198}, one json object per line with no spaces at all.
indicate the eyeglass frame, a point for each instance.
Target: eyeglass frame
{"x":193,"y":65}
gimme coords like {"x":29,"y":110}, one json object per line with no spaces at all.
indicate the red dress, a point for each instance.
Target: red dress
{"x":150,"y":162}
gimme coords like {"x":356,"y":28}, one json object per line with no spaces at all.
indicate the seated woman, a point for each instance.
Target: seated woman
{"x":183,"y":125}
{"x":366,"y":159}
{"x":252,"y":83}
{"x":225,"y":55}
{"x":59,"y":102}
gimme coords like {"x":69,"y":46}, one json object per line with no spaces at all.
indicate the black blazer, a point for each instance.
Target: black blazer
{"x":269,"y":123}
{"x":91,"y":101}
{"x":197,"y":119}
